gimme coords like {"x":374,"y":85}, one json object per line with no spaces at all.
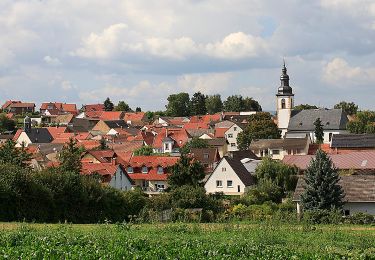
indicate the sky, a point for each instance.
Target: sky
{"x":82,"y":51}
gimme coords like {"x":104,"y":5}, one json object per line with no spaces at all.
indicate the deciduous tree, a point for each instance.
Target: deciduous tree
{"x":349,"y":107}
{"x":70,"y":157}
{"x":122,"y":106}
{"x":178,"y":105}
{"x":9,"y":154}
{"x":214,"y":104}
{"x":305,"y":107}
{"x":260,"y":126}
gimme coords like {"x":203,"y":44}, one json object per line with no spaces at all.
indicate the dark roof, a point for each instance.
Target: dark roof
{"x":216,"y":141}
{"x":48,"y":148}
{"x":116,"y":124}
{"x":39,"y":135}
{"x":331,"y":119}
{"x":239,"y":155}
{"x":199,"y":132}
{"x":286,"y":144}
{"x":353,"y":141}
{"x":240,"y":170}
{"x":82,"y":124}
{"x":357,"y":188}
{"x":167,"y":139}
{"x":237,"y":119}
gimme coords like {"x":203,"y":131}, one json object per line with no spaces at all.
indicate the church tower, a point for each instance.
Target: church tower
{"x":285,"y":102}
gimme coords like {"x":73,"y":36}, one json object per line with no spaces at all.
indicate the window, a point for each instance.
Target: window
{"x":235,"y":128}
{"x":205,"y":155}
{"x":230,"y":135}
{"x":330,"y":136}
{"x":223,"y":169}
{"x":229,"y":184}
{"x":160,"y":170}
{"x":219,"y":184}
{"x":275,"y":152}
{"x":144,"y":169}
{"x":346,"y":212}
{"x":130,"y":169}
{"x":233,"y":145}
{"x":283,"y":104}
{"x":166,"y":146}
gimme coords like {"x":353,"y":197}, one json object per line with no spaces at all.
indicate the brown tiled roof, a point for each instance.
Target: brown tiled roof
{"x":216,"y":142}
{"x":287,"y":143}
{"x":22,"y":105}
{"x":353,"y":141}
{"x":357,"y":188}
{"x":212,"y":153}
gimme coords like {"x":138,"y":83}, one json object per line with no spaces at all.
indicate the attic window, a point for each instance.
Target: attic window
{"x":327,"y":123}
{"x":130,"y":169}
{"x":144,"y":169}
{"x":300,"y":123}
{"x":160,"y":170}
{"x":205,"y":155}
{"x":364,"y":163}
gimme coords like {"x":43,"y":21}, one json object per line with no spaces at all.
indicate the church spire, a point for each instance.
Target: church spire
{"x":284,"y":88}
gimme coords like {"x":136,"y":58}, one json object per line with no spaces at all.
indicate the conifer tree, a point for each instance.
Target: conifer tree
{"x":70,"y":157}
{"x":322,"y":191}
{"x":319,"y":135}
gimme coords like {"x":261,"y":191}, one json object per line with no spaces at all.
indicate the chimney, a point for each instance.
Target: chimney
{"x":113,"y":161}
{"x":166,"y":132}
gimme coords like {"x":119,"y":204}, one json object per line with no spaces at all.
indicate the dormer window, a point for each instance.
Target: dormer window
{"x":160,"y":170}
{"x":144,"y":169}
{"x":166,"y":146}
{"x":130,"y":169}
{"x":205,"y":155}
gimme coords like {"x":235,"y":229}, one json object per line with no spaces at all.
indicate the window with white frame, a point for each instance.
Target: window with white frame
{"x":205,"y":155}
{"x":223,"y":169}
{"x":235,"y":128}
{"x":160,"y":170}
{"x":144,"y":169}
{"x":229,"y":183}
{"x":130,"y":169}
{"x":219,"y":183}
{"x":275,"y":151}
{"x":230,"y":135}
{"x":233,"y":145}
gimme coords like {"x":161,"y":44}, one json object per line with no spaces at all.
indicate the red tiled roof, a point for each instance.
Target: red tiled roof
{"x":103,"y":155}
{"x":88,"y":144}
{"x":200,"y":125}
{"x":59,"y":107}
{"x":179,"y":135}
{"x":145,"y":136}
{"x":220,"y":132}
{"x":205,"y":118}
{"x":111,"y":115}
{"x":123,"y":158}
{"x":125,"y":146}
{"x":8,"y":103}
{"x":56,"y":131}
{"x":18,"y":133}
{"x":94,"y":107}
{"x":153,"y":161}
{"x":22,"y":105}
{"x":9,"y":115}
{"x":134,"y":116}
{"x":355,"y":160}
{"x":100,"y":168}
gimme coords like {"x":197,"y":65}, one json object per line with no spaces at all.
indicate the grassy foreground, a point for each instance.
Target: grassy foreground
{"x":185,"y":241}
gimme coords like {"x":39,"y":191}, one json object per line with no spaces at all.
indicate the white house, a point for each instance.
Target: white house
{"x":359,"y":194}
{"x":230,"y":177}
{"x":231,"y":136}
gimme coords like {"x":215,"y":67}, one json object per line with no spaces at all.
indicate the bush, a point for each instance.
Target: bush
{"x":322,"y":216}
{"x":360,"y":218}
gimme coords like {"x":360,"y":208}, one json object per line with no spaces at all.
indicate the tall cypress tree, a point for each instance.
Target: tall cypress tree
{"x":319,"y":131}
{"x":322,"y":190}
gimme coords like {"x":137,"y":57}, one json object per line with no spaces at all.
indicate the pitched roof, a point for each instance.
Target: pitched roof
{"x":8,"y":103}
{"x":357,"y":188}
{"x":179,"y":135}
{"x":22,"y":105}
{"x":332,"y":119}
{"x":94,"y":107}
{"x":82,"y":124}
{"x":353,"y":141}
{"x":214,"y":142}
{"x":153,"y":161}
{"x":111,"y":115}
{"x":63,"y":119}
{"x":286,"y":144}
{"x":200,"y":154}
{"x":240,"y":170}
{"x":220,"y":132}
{"x":103,"y":156}
{"x":239,"y":155}
{"x":116,"y":124}
{"x":134,"y":116}
{"x":200,"y":132}
{"x":202,"y":125}
{"x":39,"y":135}
{"x":364,"y":160}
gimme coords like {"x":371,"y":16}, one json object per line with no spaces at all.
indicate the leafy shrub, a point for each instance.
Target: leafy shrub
{"x":322,"y":216}
{"x":360,"y":218}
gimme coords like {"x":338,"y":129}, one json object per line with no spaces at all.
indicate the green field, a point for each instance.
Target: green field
{"x":186,"y":241}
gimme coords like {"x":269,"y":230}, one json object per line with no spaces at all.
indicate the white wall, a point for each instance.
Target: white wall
{"x":365,"y":207}
{"x":23,"y":138}
{"x":224,"y":176}
{"x":234,"y":130}
{"x":283,"y":115}
{"x":120,"y":181}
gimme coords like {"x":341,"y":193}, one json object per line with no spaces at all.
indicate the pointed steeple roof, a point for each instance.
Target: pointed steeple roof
{"x":284,"y":89}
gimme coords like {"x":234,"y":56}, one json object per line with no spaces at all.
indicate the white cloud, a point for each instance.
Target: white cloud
{"x":52,"y":61}
{"x":67,"y":85}
{"x":206,"y":83}
{"x":339,"y":72}
{"x":237,"y":45}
